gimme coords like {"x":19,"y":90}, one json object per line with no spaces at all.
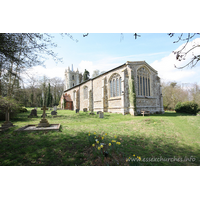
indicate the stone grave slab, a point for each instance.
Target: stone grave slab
{"x":84,"y":109}
{"x":101,"y":115}
{"x":33,"y":127}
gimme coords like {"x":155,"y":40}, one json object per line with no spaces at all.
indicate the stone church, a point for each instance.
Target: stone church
{"x":128,"y":88}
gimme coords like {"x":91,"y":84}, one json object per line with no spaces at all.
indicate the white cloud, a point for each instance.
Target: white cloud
{"x":168,"y":72}
{"x":39,"y":71}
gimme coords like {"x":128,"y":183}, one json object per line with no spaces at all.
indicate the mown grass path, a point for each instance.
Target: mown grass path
{"x":164,"y":136}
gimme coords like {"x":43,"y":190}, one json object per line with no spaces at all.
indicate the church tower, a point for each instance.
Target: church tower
{"x":71,"y":78}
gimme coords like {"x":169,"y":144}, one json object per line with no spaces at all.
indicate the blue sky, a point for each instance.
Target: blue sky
{"x":105,"y":51}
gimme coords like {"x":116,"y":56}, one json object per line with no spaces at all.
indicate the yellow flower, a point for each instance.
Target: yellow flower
{"x":115,"y":136}
{"x":95,"y":137}
{"x":109,"y":144}
{"x":139,"y":158}
{"x":133,"y":154}
{"x":102,"y":138}
{"x":88,"y":134}
{"x":118,"y":143}
{"x":113,"y":140}
{"x":126,"y":160}
{"x":93,"y":145}
{"x":106,"y":134}
{"x":97,"y":142}
{"x":94,"y":133}
{"x":99,"y":148}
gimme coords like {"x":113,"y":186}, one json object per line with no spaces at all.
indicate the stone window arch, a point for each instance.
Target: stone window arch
{"x":143,"y":81}
{"x":115,"y":85}
{"x":85,"y":92}
{"x":74,"y":95}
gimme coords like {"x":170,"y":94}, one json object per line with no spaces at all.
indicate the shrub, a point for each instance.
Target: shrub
{"x":187,"y":107}
{"x":23,"y":109}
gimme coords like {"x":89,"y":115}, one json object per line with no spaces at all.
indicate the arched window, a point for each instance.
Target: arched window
{"x":120,"y":89}
{"x":72,"y":77}
{"x":85,"y":92}
{"x":114,"y":92}
{"x":115,"y":86}
{"x":143,"y":81}
{"x":111,"y":91}
{"x":74,"y":95}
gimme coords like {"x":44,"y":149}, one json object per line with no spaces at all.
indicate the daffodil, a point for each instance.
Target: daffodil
{"x":106,"y":134}
{"x":95,"y":137}
{"x":93,"y":145}
{"x":94,"y":133}
{"x":115,"y":136}
{"x":99,"y":148}
{"x":139,"y":158}
{"x":102,"y":138}
{"x":133,"y":154}
{"x":109,"y":144}
{"x":97,"y":142}
{"x":113,"y":141}
{"x":118,"y":143}
{"x":88,"y":134}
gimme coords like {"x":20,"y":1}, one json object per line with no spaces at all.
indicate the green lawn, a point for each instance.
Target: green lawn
{"x":164,"y":136}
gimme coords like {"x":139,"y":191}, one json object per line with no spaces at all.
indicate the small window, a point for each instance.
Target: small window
{"x":72,"y":77}
{"x":85,"y":92}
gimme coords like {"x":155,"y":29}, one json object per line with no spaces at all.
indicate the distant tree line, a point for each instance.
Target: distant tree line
{"x":173,"y":93}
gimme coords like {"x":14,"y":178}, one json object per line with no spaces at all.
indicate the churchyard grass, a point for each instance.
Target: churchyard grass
{"x":155,"y":137}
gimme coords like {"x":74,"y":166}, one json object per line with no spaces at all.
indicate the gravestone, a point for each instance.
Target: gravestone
{"x":92,"y":113}
{"x":53,"y":113}
{"x":33,"y":113}
{"x":35,"y":108}
{"x":101,"y":115}
{"x":7,"y":123}
{"x":84,"y":109}
{"x":55,"y":108}
{"x":50,"y":108}
{"x":44,"y":122}
{"x":77,"y":110}
{"x":98,"y":112}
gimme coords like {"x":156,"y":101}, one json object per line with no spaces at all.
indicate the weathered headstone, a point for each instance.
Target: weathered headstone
{"x":7,"y":123}
{"x":53,"y":113}
{"x":44,"y":122}
{"x":55,"y":108}
{"x":33,"y":113}
{"x":101,"y":115}
{"x":84,"y":109}
{"x":77,"y":110}
{"x":98,"y":112}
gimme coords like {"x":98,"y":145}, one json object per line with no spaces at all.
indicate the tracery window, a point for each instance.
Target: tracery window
{"x":143,"y":82}
{"x":74,"y":95}
{"x":115,"y":85}
{"x":85,"y":92}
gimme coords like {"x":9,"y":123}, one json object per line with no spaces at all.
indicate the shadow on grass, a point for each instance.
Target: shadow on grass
{"x":58,"y":148}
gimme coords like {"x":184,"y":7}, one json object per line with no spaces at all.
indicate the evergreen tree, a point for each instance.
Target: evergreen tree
{"x":86,"y":75}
